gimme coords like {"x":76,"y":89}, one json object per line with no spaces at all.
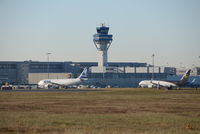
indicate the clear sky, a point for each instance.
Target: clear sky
{"x":168,"y":28}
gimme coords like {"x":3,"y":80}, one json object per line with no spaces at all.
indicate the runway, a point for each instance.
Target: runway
{"x":52,"y":90}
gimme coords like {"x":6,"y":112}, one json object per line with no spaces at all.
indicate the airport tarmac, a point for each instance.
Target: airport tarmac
{"x":52,"y":90}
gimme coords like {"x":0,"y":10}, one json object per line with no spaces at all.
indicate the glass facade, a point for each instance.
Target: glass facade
{"x":45,"y":67}
{"x":7,"y":66}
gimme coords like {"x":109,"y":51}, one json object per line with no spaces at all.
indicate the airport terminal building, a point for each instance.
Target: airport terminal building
{"x":123,"y":74}
{"x":116,"y":74}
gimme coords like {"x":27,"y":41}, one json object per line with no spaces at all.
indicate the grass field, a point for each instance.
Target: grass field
{"x":116,"y":111}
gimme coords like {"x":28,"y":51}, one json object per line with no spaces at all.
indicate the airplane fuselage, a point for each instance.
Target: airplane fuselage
{"x":61,"y":82}
{"x":156,"y":83}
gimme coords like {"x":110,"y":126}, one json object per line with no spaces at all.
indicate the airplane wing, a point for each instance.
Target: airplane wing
{"x":155,"y":84}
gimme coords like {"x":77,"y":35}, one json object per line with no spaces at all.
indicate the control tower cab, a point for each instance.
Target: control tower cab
{"x":102,"y":41}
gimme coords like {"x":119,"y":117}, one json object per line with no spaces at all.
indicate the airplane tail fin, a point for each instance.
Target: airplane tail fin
{"x":185,"y":77}
{"x":83,"y":75}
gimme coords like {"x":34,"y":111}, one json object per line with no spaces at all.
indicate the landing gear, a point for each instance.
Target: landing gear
{"x":170,"y":87}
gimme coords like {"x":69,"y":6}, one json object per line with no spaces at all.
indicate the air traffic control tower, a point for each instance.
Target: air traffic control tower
{"x":102,"y":41}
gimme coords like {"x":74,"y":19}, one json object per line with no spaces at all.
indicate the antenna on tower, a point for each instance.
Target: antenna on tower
{"x":103,"y":24}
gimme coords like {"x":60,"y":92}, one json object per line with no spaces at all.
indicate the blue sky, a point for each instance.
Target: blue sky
{"x":168,"y":28}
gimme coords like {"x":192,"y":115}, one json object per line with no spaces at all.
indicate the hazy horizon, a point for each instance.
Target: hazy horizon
{"x":169,"y":29}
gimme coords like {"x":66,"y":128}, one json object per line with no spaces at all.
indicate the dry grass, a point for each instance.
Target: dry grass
{"x":116,"y":111}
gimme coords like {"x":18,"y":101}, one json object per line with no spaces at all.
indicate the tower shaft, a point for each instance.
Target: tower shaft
{"x":103,"y":58}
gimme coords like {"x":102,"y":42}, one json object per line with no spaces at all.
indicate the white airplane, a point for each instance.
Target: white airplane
{"x":63,"y":82}
{"x":166,"y":84}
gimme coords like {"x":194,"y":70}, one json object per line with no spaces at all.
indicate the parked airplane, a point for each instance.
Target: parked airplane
{"x":165,"y":84}
{"x":63,"y":82}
